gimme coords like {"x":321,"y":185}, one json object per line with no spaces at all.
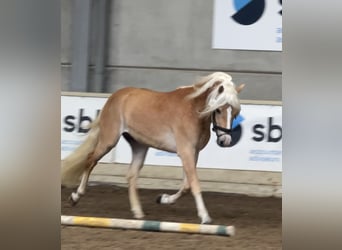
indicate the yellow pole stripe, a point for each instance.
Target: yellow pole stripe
{"x":94,"y":222}
{"x":189,"y":228}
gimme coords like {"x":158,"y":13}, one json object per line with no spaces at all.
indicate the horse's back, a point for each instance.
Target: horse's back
{"x":140,"y":98}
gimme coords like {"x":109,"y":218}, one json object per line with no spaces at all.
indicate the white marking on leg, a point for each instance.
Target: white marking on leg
{"x":75,"y":196}
{"x":202,"y":211}
{"x":137,"y":213}
{"x":82,"y":187}
{"x":167,"y":199}
{"x":170,"y":199}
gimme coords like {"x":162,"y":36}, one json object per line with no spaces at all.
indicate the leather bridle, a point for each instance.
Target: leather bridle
{"x":217,"y":128}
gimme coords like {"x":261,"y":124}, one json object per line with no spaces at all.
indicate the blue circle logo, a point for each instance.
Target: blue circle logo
{"x":236,"y":130}
{"x":248,"y":11}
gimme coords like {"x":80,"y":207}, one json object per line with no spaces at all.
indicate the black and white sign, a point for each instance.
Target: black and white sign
{"x":247,"y":24}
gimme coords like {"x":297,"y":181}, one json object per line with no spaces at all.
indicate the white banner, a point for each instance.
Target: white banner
{"x":257,"y":138}
{"x":76,"y":115}
{"x":247,"y":25}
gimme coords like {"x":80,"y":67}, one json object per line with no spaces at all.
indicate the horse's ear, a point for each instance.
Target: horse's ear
{"x":240,"y":87}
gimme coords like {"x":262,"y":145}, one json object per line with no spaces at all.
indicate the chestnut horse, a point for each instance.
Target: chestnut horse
{"x":177,"y":121}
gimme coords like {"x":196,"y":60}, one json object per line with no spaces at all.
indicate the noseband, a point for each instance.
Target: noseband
{"x":217,"y":128}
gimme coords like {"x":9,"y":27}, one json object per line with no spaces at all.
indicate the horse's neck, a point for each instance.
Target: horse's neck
{"x":204,"y":122}
{"x":201,"y":100}
{"x":199,"y":104}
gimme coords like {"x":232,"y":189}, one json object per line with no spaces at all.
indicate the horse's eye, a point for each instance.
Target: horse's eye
{"x":218,"y":111}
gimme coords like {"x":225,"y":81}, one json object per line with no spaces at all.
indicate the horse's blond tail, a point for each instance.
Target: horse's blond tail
{"x":74,"y":164}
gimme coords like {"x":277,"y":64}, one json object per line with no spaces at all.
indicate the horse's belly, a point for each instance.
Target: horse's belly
{"x":167,"y":143}
{"x":163,"y":141}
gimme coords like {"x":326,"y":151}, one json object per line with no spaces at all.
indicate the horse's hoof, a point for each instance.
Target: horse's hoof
{"x":206,"y":220}
{"x":164,"y":199}
{"x":139,"y":215}
{"x":158,"y":199}
{"x":72,"y":201}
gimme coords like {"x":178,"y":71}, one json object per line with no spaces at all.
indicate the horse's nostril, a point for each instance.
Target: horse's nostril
{"x":221,"y":143}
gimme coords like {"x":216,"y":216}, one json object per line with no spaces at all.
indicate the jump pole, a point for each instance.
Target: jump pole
{"x":147,"y":225}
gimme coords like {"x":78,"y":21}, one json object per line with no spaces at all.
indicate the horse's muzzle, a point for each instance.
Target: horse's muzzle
{"x":224,"y":140}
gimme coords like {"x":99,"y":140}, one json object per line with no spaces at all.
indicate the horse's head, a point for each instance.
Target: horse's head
{"x":222,"y":119}
{"x":222,"y":103}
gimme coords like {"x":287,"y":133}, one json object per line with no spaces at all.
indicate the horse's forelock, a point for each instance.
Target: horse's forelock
{"x":223,"y":91}
{"x":206,"y":82}
{"x":218,"y":98}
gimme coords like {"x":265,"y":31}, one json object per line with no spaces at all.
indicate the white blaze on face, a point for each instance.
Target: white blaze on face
{"x":224,"y":139}
{"x":229,"y":117}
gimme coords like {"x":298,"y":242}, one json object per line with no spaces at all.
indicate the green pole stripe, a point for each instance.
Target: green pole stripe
{"x":151,"y":226}
{"x":221,"y":230}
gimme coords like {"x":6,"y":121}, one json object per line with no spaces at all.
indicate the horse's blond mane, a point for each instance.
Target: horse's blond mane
{"x":215,"y":98}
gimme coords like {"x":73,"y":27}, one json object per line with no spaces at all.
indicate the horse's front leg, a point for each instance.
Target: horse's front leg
{"x":189,"y":159}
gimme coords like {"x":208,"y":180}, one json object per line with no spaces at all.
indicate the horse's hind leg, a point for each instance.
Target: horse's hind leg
{"x":104,"y":145}
{"x":138,"y":157}
{"x":75,"y":196}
